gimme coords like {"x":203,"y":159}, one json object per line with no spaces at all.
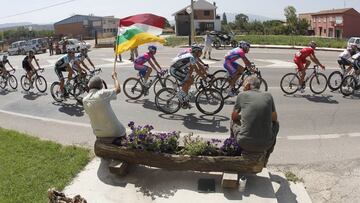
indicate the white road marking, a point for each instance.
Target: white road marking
{"x":123,"y":63}
{"x":280,"y":64}
{"x":208,"y":136}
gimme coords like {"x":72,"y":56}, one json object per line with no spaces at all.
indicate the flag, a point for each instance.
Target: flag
{"x":139,"y":29}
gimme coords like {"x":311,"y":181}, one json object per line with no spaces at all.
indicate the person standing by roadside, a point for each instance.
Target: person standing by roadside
{"x":117,"y":56}
{"x":254,"y":121}
{"x":208,"y":42}
{"x":106,"y":127}
{"x":133,"y":54}
{"x":51,"y":48}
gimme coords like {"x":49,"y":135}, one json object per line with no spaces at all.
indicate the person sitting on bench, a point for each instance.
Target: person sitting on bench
{"x":254,"y":119}
{"x":106,"y":127}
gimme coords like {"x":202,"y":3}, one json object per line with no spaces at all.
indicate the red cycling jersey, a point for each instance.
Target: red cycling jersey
{"x":300,"y":57}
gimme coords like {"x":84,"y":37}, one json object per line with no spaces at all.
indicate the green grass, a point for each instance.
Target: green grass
{"x":269,"y":40}
{"x":29,"y":166}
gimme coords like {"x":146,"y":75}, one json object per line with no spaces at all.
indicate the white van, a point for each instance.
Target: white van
{"x":17,"y":48}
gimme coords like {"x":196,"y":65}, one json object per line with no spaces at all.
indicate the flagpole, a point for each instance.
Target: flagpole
{"x":116,"y":50}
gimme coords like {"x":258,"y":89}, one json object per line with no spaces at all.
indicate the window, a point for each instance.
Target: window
{"x":324,"y":31}
{"x":319,"y":19}
{"x":338,"y":19}
{"x":206,"y":13}
{"x":324,"y":19}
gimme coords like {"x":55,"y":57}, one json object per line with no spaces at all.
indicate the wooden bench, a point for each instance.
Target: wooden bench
{"x":230,"y":166}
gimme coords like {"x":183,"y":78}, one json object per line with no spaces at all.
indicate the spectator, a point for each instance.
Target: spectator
{"x":254,"y":119}
{"x":104,"y":122}
{"x":117,"y":57}
{"x":133,"y":54}
{"x":208,"y":41}
{"x":51,"y":48}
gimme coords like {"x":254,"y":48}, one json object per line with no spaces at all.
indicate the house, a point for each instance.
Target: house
{"x":85,"y":26}
{"x":338,"y":23}
{"x":205,"y":18}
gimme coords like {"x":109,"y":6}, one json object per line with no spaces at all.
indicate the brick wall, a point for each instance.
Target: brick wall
{"x":351,"y":25}
{"x":200,"y":15}
{"x":71,"y":30}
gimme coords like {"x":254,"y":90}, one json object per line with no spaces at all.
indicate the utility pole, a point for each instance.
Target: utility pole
{"x":192,"y":22}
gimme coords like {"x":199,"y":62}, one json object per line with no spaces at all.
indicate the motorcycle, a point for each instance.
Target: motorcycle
{"x":221,"y":38}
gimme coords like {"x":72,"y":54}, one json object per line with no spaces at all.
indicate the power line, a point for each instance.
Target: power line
{"x":38,"y":9}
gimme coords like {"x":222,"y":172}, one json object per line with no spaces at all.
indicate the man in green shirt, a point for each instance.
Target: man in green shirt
{"x":254,"y":119}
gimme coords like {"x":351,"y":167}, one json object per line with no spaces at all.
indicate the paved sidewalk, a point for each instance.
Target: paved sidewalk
{"x":145,"y":184}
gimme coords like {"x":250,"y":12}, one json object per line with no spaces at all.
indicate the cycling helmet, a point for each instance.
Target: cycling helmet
{"x":4,"y":57}
{"x":70,"y":50}
{"x":312,"y":44}
{"x":152,"y":48}
{"x":244,"y":45}
{"x":31,"y":52}
{"x":196,"y":48}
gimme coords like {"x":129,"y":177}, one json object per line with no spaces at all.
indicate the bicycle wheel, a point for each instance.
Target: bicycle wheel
{"x":334,"y":80}
{"x":263,"y":85}
{"x":348,"y":85}
{"x":289,"y":83}
{"x":79,"y":91}
{"x":12,"y":81}
{"x":209,"y":101}
{"x":220,"y":73}
{"x":40,"y":83}
{"x":25,"y":83}
{"x":133,"y":88}
{"x":55,"y":91}
{"x":166,"y":100}
{"x":165,"y":82}
{"x":318,"y":83}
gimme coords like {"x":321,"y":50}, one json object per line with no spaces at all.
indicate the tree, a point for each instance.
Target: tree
{"x":303,"y":26}
{"x":291,"y":19}
{"x":167,"y":24}
{"x":241,"y":22}
{"x":224,"y":19}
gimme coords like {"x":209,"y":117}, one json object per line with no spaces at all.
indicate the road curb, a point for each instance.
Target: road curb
{"x":281,"y":47}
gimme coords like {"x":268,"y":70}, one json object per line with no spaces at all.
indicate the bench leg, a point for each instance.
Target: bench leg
{"x":119,"y":167}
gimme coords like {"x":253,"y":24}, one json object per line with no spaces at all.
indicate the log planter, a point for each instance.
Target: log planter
{"x":246,"y":163}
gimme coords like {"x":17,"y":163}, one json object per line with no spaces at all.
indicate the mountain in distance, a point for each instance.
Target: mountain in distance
{"x":231,"y":17}
{"x":10,"y":26}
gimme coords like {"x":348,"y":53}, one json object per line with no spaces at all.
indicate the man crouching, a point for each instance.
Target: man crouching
{"x":254,"y":119}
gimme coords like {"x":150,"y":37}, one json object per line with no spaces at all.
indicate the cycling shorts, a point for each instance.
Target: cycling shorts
{"x":231,"y":67}
{"x":59,"y":70}
{"x":142,"y":69}
{"x":300,"y":63}
{"x":182,"y":75}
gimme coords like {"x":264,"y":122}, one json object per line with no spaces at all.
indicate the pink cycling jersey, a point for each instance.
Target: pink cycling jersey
{"x":234,"y":55}
{"x":139,"y":61}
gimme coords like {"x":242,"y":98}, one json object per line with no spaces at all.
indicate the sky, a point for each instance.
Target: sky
{"x":122,"y":8}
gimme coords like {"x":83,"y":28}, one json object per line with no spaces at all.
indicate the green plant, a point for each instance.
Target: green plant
{"x":290,"y":176}
{"x":198,"y":147}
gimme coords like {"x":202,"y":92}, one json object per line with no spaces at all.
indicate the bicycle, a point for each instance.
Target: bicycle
{"x":81,"y":83}
{"x":134,"y":88}
{"x":216,"y":74}
{"x":7,"y":78}
{"x":290,"y":82}
{"x":223,"y":83}
{"x":168,"y":100}
{"x":40,"y":82}
{"x":350,"y":84}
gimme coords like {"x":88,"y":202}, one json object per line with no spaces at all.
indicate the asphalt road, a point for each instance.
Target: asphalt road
{"x":304,"y":118}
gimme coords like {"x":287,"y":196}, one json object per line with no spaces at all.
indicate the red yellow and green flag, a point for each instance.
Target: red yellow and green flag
{"x":139,"y":29}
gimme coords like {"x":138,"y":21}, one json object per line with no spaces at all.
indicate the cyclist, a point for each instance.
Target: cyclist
{"x":182,"y":69}
{"x":144,"y":70}
{"x":63,"y":64}
{"x":188,"y":50}
{"x":345,"y":58}
{"x":300,"y":60}
{"x":79,"y":62}
{"x":3,"y":62}
{"x":234,"y":69}
{"x":28,"y":66}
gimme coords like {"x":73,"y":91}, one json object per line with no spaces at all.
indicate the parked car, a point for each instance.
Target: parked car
{"x":17,"y":48}
{"x":38,"y":45}
{"x":354,"y":40}
{"x":61,"y":46}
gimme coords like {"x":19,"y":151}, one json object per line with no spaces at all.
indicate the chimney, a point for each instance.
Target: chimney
{"x":214,"y":3}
